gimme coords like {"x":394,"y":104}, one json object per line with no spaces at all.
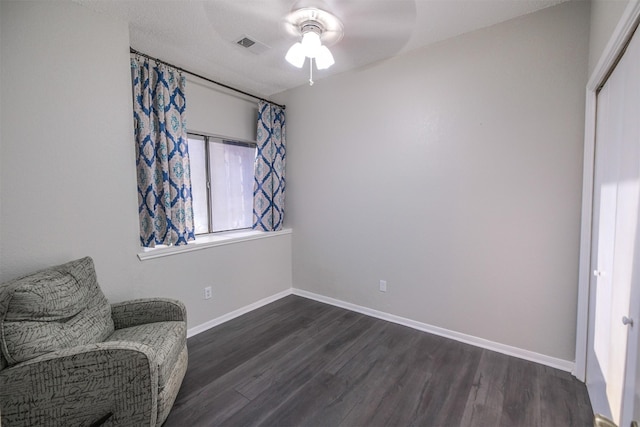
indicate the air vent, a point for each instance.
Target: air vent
{"x":246,"y":42}
{"x":251,"y":44}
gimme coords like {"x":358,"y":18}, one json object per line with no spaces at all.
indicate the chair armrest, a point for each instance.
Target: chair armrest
{"x":140,"y":311}
{"x":81,"y":385}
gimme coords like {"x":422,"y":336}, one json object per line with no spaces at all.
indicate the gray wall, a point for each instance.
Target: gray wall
{"x":605,"y":15}
{"x":67,"y":169}
{"x":454,"y":173}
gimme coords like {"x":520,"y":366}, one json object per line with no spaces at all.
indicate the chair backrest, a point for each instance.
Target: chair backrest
{"x":3,"y":362}
{"x":53,"y":309}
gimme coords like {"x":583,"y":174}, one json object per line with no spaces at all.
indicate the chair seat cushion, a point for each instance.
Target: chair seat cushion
{"x":168,"y":339}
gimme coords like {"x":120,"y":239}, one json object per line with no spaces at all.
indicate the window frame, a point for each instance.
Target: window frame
{"x":224,"y":140}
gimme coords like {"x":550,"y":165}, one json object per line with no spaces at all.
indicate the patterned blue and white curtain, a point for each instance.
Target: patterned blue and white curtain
{"x":269,"y":185}
{"x":162,"y":156}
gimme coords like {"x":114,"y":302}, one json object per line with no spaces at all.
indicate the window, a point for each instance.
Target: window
{"x":222,"y":183}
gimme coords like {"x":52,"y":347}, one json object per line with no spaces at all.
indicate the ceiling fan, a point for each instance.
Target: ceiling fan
{"x":368,"y":30}
{"x":346,"y":31}
{"x":317,"y":29}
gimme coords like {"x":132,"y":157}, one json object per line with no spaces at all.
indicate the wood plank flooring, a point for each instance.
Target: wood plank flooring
{"x":298,"y":362}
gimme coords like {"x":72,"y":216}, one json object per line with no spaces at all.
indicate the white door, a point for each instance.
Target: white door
{"x":613,"y":343}
{"x":632,"y":409}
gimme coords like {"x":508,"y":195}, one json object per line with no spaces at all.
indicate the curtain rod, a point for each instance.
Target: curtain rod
{"x":135,"y":52}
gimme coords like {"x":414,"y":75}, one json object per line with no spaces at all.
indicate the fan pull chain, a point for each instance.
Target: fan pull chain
{"x":310,"y":71}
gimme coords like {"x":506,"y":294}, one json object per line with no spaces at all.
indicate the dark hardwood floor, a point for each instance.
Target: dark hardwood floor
{"x":298,"y":362}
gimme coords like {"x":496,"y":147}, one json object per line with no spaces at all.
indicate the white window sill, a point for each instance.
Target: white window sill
{"x":209,"y":241}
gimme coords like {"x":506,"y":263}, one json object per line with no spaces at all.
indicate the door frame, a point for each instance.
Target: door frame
{"x":608,"y":59}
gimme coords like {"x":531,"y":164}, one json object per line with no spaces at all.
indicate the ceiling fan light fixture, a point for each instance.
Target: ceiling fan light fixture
{"x":317,"y":29}
{"x":295,"y":55}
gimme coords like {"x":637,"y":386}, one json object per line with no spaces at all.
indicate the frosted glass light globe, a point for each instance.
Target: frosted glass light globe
{"x":311,"y":44}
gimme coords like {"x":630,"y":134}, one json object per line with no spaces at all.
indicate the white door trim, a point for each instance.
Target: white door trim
{"x":608,"y":59}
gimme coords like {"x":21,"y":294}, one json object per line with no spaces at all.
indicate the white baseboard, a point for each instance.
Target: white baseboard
{"x":236,"y":313}
{"x":531,"y":356}
{"x":564,"y":365}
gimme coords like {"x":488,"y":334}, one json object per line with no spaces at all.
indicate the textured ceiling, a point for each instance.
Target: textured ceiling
{"x":200,"y":36}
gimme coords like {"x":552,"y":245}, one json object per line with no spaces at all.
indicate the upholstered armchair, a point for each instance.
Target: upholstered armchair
{"x":69,"y":358}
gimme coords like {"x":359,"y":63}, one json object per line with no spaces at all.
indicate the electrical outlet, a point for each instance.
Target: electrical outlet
{"x":207,"y":292}
{"x":383,"y":286}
